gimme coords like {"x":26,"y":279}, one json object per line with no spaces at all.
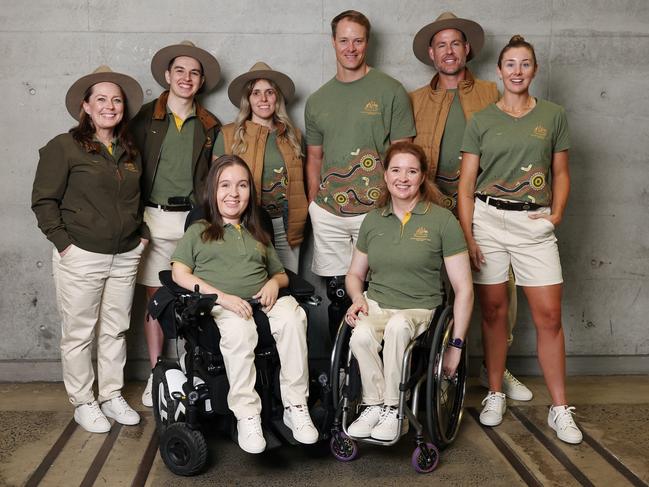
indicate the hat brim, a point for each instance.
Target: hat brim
{"x":472,"y":30}
{"x":131,"y":88}
{"x":283,"y":82}
{"x":162,"y":58}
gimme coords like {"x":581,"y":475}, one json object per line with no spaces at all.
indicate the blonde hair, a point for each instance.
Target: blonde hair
{"x":280,"y":118}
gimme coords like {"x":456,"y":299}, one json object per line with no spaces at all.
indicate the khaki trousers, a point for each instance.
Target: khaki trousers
{"x":238,"y":341}
{"x":94,"y":295}
{"x":397,"y":328}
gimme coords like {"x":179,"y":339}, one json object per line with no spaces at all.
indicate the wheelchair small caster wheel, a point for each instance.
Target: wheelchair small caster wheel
{"x":425,"y":458}
{"x":343,"y":448}
{"x":183,"y":450}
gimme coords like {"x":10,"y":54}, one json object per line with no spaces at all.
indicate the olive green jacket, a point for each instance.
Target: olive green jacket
{"x":91,"y":200}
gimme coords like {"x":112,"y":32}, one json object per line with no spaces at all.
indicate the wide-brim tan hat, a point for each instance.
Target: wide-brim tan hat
{"x":131,"y":88}
{"x":472,"y":30}
{"x":260,"y":70}
{"x":162,"y":58}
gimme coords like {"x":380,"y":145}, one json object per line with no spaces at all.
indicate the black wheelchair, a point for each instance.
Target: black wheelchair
{"x":421,"y":373}
{"x":190,"y":395}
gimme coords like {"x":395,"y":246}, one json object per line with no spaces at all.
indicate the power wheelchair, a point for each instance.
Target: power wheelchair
{"x":421,"y":373}
{"x":190,"y":395}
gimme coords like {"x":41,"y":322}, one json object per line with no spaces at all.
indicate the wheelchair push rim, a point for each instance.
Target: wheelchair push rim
{"x":444,"y":396}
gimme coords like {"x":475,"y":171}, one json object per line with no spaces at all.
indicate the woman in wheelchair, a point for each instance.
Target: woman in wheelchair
{"x":401,"y":248}
{"x":228,"y":254}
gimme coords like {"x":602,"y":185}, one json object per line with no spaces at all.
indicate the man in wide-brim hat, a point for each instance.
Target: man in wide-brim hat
{"x":442,"y":109}
{"x":175,"y":135}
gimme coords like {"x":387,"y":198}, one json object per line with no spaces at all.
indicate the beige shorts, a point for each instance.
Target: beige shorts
{"x":513,"y":238}
{"x":167,"y":227}
{"x":334,"y":238}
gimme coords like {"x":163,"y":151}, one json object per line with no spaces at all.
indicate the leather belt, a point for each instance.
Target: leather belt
{"x":169,"y":207}
{"x":507,"y":205}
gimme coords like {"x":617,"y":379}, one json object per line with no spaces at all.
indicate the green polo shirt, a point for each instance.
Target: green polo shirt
{"x":173,"y":176}
{"x":236,"y":264}
{"x":448,"y":166}
{"x":405,"y":259}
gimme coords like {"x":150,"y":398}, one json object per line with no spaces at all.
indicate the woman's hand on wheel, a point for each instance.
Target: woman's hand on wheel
{"x":475,"y":254}
{"x":359,"y":305}
{"x":267,"y":295}
{"x":451,"y":360}
{"x":235,"y":304}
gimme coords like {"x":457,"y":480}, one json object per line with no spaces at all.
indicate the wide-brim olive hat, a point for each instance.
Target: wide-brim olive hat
{"x":131,"y":88}
{"x":472,"y":30}
{"x":162,"y":58}
{"x":260,"y":70}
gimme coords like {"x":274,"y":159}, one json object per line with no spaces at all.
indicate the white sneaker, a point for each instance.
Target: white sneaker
{"x":387,"y":428}
{"x":147,"y":399}
{"x":297,"y":418}
{"x":118,"y":409}
{"x":512,"y":387}
{"x":249,"y":435}
{"x":91,"y":419}
{"x":495,"y":405}
{"x":362,"y":427}
{"x":560,"y":420}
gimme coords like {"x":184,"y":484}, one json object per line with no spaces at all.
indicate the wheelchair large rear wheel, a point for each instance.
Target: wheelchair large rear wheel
{"x":183,"y":450}
{"x":444,"y":396}
{"x":339,"y":366}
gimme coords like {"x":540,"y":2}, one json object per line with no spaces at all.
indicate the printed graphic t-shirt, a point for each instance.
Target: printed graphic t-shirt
{"x":516,"y":153}
{"x":354,"y":123}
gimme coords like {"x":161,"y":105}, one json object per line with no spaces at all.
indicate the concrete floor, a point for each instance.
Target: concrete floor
{"x":613,"y":411}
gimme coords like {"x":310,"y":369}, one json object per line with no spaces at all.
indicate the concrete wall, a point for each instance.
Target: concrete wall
{"x":594,"y":60}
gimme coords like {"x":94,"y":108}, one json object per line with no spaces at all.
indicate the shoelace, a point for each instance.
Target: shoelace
{"x":563,"y":418}
{"x":509,"y":377}
{"x":120,"y":404}
{"x":386,"y":412}
{"x":367,"y":411}
{"x":492,"y":402}
{"x":256,"y":425}
{"x":300,"y":417}
{"x":95,"y":411}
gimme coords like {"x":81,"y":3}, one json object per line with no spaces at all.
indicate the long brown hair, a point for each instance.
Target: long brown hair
{"x":84,"y":132}
{"x":428,"y":191}
{"x":250,"y":219}
{"x":281,"y":120}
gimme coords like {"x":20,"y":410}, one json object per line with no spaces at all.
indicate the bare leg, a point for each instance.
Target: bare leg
{"x":545,"y":305}
{"x":153,"y":332}
{"x":494,"y":304}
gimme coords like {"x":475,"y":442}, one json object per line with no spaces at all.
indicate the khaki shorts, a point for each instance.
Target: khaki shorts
{"x":334,"y":238}
{"x":166,"y":227}
{"x":513,"y":238}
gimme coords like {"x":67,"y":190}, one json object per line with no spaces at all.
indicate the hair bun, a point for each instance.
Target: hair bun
{"x":516,"y":39}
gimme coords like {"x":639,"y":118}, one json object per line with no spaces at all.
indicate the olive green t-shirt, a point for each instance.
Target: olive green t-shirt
{"x":405,"y":259}
{"x":354,"y":123}
{"x":274,"y":179}
{"x":516,"y":153}
{"x":236,"y":264}
{"x":173,"y":176}
{"x":448,"y":165}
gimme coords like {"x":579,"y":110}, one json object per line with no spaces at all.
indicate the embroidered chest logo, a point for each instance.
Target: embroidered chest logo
{"x":420,"y":235}
{"x":371,"y":108}
{"x":540,"y":132}
{"x":129,"y":166}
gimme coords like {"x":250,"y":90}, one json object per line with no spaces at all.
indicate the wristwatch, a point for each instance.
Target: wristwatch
{"x":456,"y":342}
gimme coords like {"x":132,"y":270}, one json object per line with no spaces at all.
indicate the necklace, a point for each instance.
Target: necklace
{"x":518,"y":112}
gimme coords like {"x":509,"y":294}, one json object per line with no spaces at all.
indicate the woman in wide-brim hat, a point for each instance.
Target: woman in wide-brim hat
{"x":86,"y":197}
{"x":264,"y":136}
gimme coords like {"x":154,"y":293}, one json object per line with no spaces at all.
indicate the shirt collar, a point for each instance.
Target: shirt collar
{"x":421,"y":208}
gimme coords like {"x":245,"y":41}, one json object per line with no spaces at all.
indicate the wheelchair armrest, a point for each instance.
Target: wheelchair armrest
{"x":298,"y":286}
